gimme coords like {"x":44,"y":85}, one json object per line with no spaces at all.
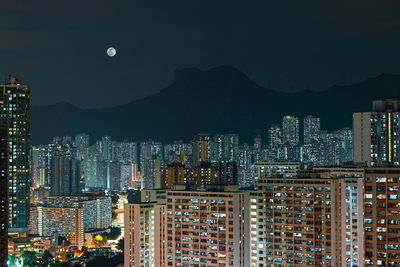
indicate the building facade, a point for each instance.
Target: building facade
{"x":311,"y":129}
{"x":144,"y":234}
{"x":3,"y":197}
{"x":66,"y":175}
{"x":202,"y":148}
{"x":15,"y":118}
{"x":377,"y":134}
{"x":207,"y":228}
{"x":290,"y":130}
{"x":382,"y":217}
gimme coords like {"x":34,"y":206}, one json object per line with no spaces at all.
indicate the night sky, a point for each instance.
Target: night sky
{"x":59,"y":47}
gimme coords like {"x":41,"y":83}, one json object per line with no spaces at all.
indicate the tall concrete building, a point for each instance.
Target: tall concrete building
{"x":127,"y":175}
{"x":66,"y":175}
{"x":66,"y":221}
{"x":178,"y":151}
{"x":348,"y":205}
{"x":311,"y":129}
{"x":257,"y":142}
{"x":266,"y":169}
{"x":188,"y":228}
{"x":226,"y":147}
{"x":152,"y":173}
{"x":128,"y":152}
{"x":175,"y":174}
{"x":144,"y":234}
{"x":208,"y":228}
{"x":71,"y":216}
{"x":311,"y":219}
{"x":204,"y":175}
{"x":274,"y":136}
{"x":15,"y":118}
{"x":3,"y":198}
{"x":227,"y":173}
{"x":149,"y":150}
{"x":245,"y":167}
{"x":202,"y":148}
{"x":38,"y":165}
{"x":377,"y":134}
{"x":82,"y":142}
{"x":290,"y":138}
{"x":106,"y":148}
{"x":382,"y":216}
{"x":290,"y":130}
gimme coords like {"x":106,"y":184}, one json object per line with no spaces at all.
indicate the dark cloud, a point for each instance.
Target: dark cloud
{"x":59,"y":46}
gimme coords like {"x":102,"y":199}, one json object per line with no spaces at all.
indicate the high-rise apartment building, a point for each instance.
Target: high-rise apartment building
{"x":70,"y":216}
{"x":207,"y":228}
{"x":175,"y":174}
{"x":296,"y":222}
{"x":381,"y":217}
{"x":66,"y":175}
{"x":152,"y":173}
{"x":38,"y":165}
{"x":106,"y":148}
{"x":149,"y":150}
{"x":377,"y":134}
{"x":127,"y":175}
{"x":275,"y":169}
{"x":3,"y":197}
{"x":15,"y":118}
{"x":145,"y":236}
{"x":257,"y":142}
{"x":186,"y":228}
{"x":312,"y":218}
{"x":203,"y":175}
{"x":82,"y":142}
{"x":128,"y":152}
{"x":290,"y":130}
{"x":290,"y":138}
{"x":202,"y":148}
{"x":227,"y":173}
{"x":177,"y":152}
{"x":245,"y":167}
{"x":65,"y":221}
{"x":311,"y":129}
{"x":226,"y":147}
{"x":347,"y":203}
{"x":274,"y":136}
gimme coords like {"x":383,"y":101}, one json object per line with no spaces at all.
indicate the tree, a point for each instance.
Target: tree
{"x":114,"y":214}
{"x":114,"y":233}
{"x":12,"y":259}
{"x":120,"y":244}
{"x":46,"y":258}
{"x":114,"y":199}
{"x":29,"y":258}
{"x":84,"y":249}
{"x":133,"y":196}
{"x":101,"y":261}
{"x":66,"y":243}
{"x":100,"y":240}
{"x":61,"y":264}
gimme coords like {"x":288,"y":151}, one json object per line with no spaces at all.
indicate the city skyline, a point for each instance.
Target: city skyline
{"x":200,"y":133}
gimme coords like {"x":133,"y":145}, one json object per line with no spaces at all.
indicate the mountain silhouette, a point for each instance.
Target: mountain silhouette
{"x":218,"y":100}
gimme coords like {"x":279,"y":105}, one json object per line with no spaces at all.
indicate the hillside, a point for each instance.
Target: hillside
{"x":218,"y":100}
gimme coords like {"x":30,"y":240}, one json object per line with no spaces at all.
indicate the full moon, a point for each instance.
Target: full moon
{"x":111,"y":52}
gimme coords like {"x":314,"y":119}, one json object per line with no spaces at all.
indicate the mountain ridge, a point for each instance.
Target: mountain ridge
{"x":217,"y":100}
